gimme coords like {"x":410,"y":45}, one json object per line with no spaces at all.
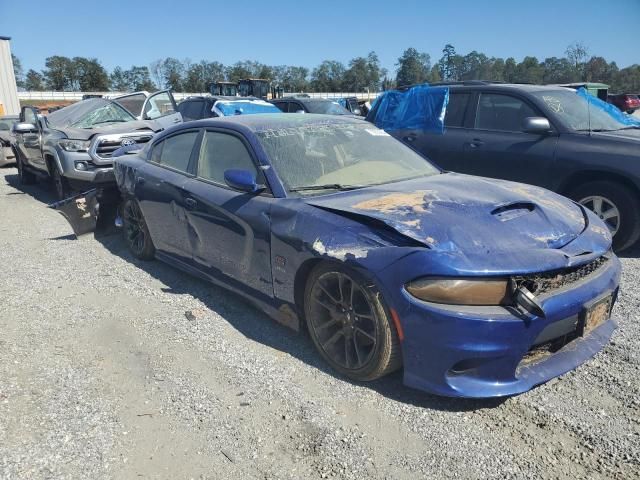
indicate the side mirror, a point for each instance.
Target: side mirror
{"x":357,"y":111}
{"x":539,"y":125}
{"x":24,"y":128}
{"x":242,"y":180}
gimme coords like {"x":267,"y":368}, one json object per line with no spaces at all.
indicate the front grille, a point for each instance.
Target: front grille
{"x":541,"y":283}
{"x":105,"y":146}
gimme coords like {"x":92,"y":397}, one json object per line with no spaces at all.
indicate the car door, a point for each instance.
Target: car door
{"x":497,"y":146}
{"x":133,"y":102}
{"x":30,"y":144}
{"x":445,"y":149}
{"x":161,"y":107}
{"x":160,"y":189}
{"x":232,"y":227}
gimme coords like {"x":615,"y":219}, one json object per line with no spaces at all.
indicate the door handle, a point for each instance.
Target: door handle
{"x":140,"y":180}
{"x":476,"y":142}
{"x":190,"y":203}
{"x":409,"y":138}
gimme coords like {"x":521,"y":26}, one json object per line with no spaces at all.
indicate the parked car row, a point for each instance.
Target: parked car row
{"x":477,"y":287}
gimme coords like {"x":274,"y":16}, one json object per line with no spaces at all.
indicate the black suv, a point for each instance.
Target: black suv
{"x":542,"y":135}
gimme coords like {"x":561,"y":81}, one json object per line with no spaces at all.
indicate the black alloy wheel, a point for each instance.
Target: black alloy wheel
{"x":349,"y":325}
{"x":136,"y":234}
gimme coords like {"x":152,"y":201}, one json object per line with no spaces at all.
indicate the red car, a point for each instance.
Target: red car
{"x":625,"y":102}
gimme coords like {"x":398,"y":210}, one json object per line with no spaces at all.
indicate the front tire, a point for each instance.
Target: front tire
{"x":617,"y":205}
{"x":349,"y":324}
{"x":60,"y":184}
{"x":24,"y":176}
{"x":136,"y":233}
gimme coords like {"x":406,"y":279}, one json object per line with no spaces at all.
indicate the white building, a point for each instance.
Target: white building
{"x":9,"y":104}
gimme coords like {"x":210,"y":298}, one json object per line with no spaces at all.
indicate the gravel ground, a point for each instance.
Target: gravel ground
{"x":102,"y":375}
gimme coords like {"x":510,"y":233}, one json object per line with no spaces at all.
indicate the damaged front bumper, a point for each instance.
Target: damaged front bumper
{"x":96,"y":210}
{"x":489,"y":351}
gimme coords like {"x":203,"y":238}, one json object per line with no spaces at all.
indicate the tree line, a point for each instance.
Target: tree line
{"x":360,"y":74}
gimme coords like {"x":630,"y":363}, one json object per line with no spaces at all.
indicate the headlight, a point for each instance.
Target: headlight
{"x":71,"y":145}
{"x":460,"y":291}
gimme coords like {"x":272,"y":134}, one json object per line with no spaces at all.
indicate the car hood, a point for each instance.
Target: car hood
{"x":126,"y":127}
{"x":631,"y":135}
{"x":454,"y":212}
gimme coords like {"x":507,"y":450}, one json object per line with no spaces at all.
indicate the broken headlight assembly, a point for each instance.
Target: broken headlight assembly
{"x":475,"y":291}
{"x":71,"y":145}
{"x":461,"y":291}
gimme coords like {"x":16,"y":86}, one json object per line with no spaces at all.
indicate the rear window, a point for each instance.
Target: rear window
{"x":175,"y":151}
{"x":457,"y":109}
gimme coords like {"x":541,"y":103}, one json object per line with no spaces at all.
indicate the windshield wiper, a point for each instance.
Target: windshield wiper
{"x":110,"y":121}
{"x":329,"y":186}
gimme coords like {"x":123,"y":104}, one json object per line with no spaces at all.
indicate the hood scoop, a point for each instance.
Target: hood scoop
{"x":512,"y":211}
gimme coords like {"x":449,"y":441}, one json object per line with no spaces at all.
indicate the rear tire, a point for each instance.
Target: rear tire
{"x":614,"y":200}
{"x":136,"y":233}
{"x":349,"y":324}
{"x":25,"y":177}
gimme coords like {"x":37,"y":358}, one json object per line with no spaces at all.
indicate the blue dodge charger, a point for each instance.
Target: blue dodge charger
{"x":476,"y":287}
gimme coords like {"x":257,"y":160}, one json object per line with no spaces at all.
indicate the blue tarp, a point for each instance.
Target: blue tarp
{"x":245,"y":107}
{"x":612,"y":110}
{"x":418,"y":108}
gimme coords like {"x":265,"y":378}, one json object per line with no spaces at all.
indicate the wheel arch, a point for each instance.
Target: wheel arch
{"x":300,"y":284}
{"x":52,"y":161}
{"x":581,"y":178}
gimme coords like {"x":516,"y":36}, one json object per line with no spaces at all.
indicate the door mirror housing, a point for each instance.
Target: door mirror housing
{"x":539,"y":125}
{"x":24,"y":128}
{"x":243,"y":180}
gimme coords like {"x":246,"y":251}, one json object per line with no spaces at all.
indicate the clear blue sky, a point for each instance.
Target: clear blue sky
{"x":290,"y":32}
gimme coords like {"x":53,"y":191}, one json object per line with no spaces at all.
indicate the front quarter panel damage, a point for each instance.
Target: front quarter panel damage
{"x":302,"y":233}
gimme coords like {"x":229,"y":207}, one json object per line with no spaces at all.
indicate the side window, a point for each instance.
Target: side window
{"x":295,"y":107}
{"x":175,"y":151}
{"x":281,"y":105}
{"x":30,"y":116}
{"x":502,"y":112}
{"x":158,"y":105}
{"x":457,"y":109}
{"x":191,"y":109}
{"x":133,"y":103}
{"x":220,"y":152}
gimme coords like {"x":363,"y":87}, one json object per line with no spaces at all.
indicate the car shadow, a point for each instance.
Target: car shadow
{"x":257,"y":326}
{"x":41,"y":190}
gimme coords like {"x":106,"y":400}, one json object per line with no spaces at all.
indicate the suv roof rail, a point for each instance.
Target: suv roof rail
{"x":454,"y":82}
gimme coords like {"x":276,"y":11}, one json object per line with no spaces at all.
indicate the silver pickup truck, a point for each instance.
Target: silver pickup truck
{"x":73,"y":146}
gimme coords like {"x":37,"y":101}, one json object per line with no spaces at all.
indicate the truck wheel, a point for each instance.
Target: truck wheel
{"x":617,"y":205}
{"x":25,"y":177}
{"x":136,"y":233}
{"x":60,"y":184}
{"x":349,"y":324}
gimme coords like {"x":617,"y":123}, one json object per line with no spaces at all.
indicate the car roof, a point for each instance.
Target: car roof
{"x":270,"y":121}
{"x":500,"y":86}
{"x":9,"y":117}
{"x":220,"y":97}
